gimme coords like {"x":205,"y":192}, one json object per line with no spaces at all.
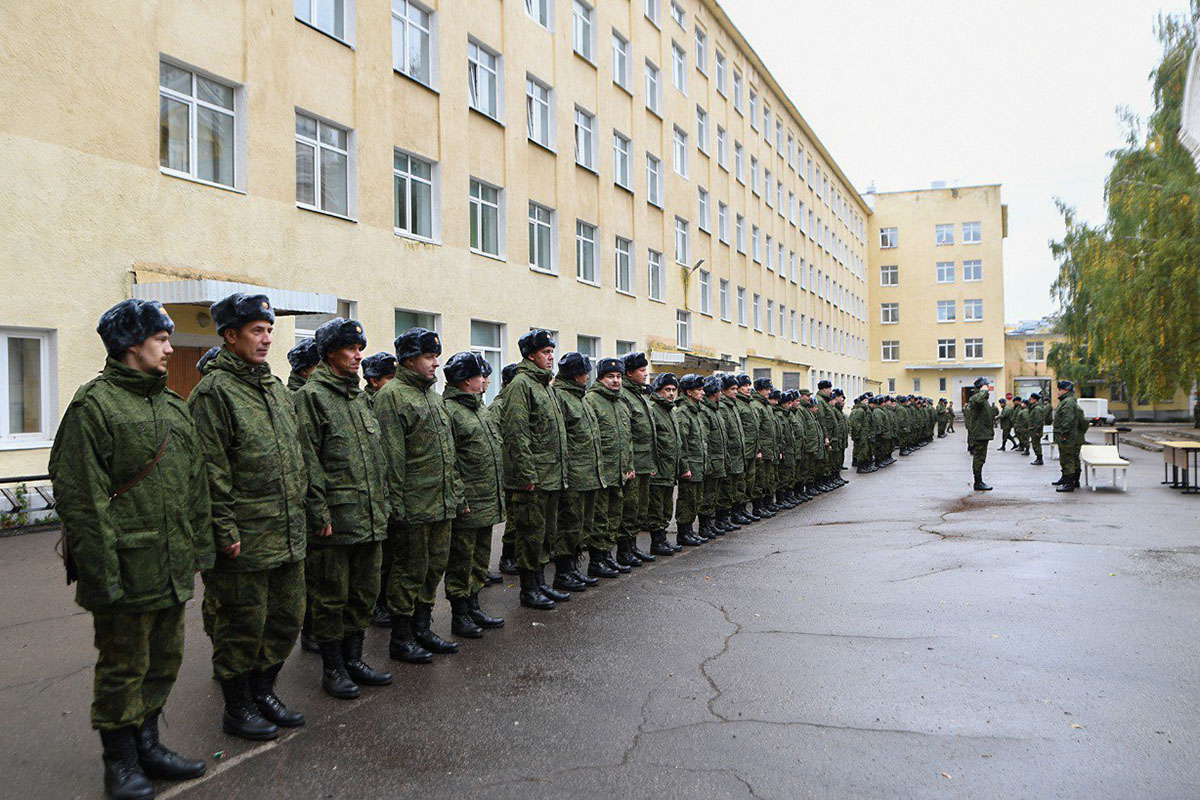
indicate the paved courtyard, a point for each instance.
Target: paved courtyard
{"x":902,"y":637}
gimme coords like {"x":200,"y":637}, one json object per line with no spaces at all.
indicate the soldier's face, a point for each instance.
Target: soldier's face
{"x":251,"y":342}
{"x":380,"y":382}
{"x":669,"y":393}
{"x":694,"y":394}
{"x":487,"y":381}
{"x":424,"y":365}
{"x":473,"y":385}
{"x":345,"y":361}
{"x":743,"y":388}
{"x":611,"y":379}
{"x":638,"y":375}
{"x":543,"y":358}
{"x":151,"y":355}
{"x":729,"y":391}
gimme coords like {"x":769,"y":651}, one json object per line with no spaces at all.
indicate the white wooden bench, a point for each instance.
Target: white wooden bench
{"x":1102,"y":456}
{"x":1048,"y":441}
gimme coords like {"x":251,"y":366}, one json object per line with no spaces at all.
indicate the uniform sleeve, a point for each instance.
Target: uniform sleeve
{"x":202,"y":538}
{"x":213,"y":424}
{"x":81,"y":469}
{"x":514,"y":425}
{"x":313,"y":424}
{"x":395,"y":432}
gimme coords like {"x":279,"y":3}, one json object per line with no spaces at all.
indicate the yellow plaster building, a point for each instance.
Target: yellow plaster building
{"x":937,"y":290}
{"x":1026,"y":347}
{"x":626,"y":173}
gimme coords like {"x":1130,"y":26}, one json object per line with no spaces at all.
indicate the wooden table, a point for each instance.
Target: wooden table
{"x":1182,"y":455}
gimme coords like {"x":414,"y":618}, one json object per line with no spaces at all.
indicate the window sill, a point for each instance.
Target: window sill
{"x":586,"y":168}
{"x":324,"y":213}
{"x":592,"y":284}
{"x":889,"y":323}
{"x":659,"y":206}
{"x":417,"y":81}
{"x":727,"y":319}
{"x":183,"y":176}
{"x":623,"y":187}
{"x":625,"y":293}
{"x":972,"y":321}
{"x":585,"y":59}
{"x":946,"y":321}
{"x":416,"y":238}
{"x":325,"y":33}
{"x":548,"y":272}
{"x":969,"y":243}
{"x":623,"y":88}
{"x":490,"y":256}
{"x":487,"y":116}
{"x":657,"y":300}
{"x":656,"y":112}
{"x":548,"y":148}
{"x":25,"y":444}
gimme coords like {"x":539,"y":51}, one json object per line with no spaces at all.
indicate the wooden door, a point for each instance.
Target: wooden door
{"x":182,"y":376}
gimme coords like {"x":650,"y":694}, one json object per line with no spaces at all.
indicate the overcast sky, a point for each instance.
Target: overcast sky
{"x":1018,"y":92}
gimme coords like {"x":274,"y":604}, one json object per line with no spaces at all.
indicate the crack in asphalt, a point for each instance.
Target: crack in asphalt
{"x":848,"y":636}
{"x":927,"y":574}
{"x":832,"y":727}
{"x":47,"y":681}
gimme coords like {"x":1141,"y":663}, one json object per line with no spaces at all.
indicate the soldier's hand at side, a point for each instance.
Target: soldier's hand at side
{"x":232,"y":550}
{"x":529,"y":487}
{"x":326,"y":531}
{"x":758,"y":456}
{"x":686,"y":475}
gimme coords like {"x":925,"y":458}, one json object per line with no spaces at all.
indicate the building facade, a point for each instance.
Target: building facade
{"x":625,"y":173}
{"x":1027,"y":345}
{"x":937,"y":290}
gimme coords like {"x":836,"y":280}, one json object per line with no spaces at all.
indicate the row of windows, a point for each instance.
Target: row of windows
{"x":943,"y":234}
{"x":947,"y":311}
{"x":947,"y":349}
{"x":972,"y":271}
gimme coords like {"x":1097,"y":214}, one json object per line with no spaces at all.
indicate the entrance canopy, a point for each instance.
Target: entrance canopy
{"x":206,"y":292}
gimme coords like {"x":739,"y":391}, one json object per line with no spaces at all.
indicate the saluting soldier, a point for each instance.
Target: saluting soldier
{"x":303,"y":358}
{"x":635,"y":394}
{"x":128,"y":474}
{"x":714,"y":466}
{"x":479,"y":460}
{"x":1070,"y":433}
{"x":258,"y":481}
{"x":979,"y":431}
{"x":693,"y":458}
{"x":577,"y":508}
{"x":425,"y":494}
{"x":347,"y":508}
{"x":666,"y":464}
{"x":616,"y":469}
{"x":535,"y":457}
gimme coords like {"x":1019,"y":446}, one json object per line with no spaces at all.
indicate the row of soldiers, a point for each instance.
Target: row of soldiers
{"x":331,"y":499}
{"x":1022,"y":422}
{"x":879,"y":424}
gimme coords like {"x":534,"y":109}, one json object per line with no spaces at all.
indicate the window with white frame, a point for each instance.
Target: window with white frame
{"x":483,"y":80}
{"x":754,"y":186}
{"x":585,"y":139}
{"x":333,"y":17}
{"x":624,"y":347}
{"x":973,"y":348}
{"x":739,"y":88}
{"x":654,"y":275}
{"x":739,"y":162}
{"x":972,"y":232}
{"x":680,"y":149}
{"x":623,"y":265}
{"x":585,"y":252}
{"x":945,"y":272}
{"x":779,"y":197}
{"x":756,"y":306}
{"x":889,"y":275}
{"x":679,"y":67}
{"x":723,"y":299}
{"x":947,"y":349}
{"x":620,"y":52}
{"x":741,"y":306}
{"x":653,"y":181}
{"x":770,"y":187}
{"x":485,"y":218}
{"x":681,"y":241}
{"x":541,"y":238}
{"x":779,"y":259}
{"x":972,"y":270}
{"x":779,"y":135}
{"x":701,"y":50}
{"x":622,"y":169}
{"x":199,"y":129}
{"x":754,"y":109}
{"x":946,"y":311}
{"x":653,"y":87}
{"x":943,"y":234}
{"x":28,"y":370}
{"x":722,"y":148}
{"x":416,"y":195}
{"x":973,"y":309}
{"x":889,"y":313}
{"x":770,"y":317}
{"x":770,"y":251}
{"x":1035,"y":351}
{"x":683,"y":329}
{"x":487,"y":339}
{"x":781,"y":326}
{"x":705,"y":292}
{"x":413,"y":39}
{"x":741,"y":234}
{"x":540,"y":11}
{"x":756,"y":244}
{"x":678,"y":14}
{"x":323,"y":165}
{"x":791,"y":213}
{"x":588,"y":345}
{"x":723,"y":222}
{"x":539,"y":119}
{"x":767,"y":123}
{"x":584,"y":22}
{"x":888,"y":238}
{"x":793,"y":267}
{"x":703,"y":216}
{"x":702,"y":130}
{"x":795,"y":324}
{"x":722,"y":71}
{"x":652,"y":10}
{"x":916,"y":384}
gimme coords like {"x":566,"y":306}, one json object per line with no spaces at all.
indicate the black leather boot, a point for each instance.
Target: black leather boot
{"x":1071,"y":484}
{"x":623,"y":569}
{"x":704,"y":530}
{"x":360,"y":671}
{"x":262,"y":692}
{"x":637,"y":552}
{"x":684,"y":535}
{"x":980,"y":486}
{"x":241,"y":717}
{"x":725,"y":517}
{"x":531,"y":592}
{"x":548,"y":590}
{"x":493,"y":578}
{"x":402,"y":646}
{"x":626,"y":558}
{"x":762,"y":509}
{"x":461,"y":623}
{"x":598,"y":565}
{"x":738,"y":515}
{"x":658,"y":544}
{"x":381,"y":618}
{"x":157,"y":761}
{"x":1061,"y":480}
{"x":564,"y":577}
{"x":123,"y":775}
{"x":422,"y":632}
{"x":1037,"y":462}
{"x":586,"y":580}
{"x":481,"y":617}
{"x":334,"y":678}
{"x":508,"y":559}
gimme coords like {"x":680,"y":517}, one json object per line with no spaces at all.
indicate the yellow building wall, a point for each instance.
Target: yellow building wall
{"x":88,"y":212}
{"x":915,"y":214}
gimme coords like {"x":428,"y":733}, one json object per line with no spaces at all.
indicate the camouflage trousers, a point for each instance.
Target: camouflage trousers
{"x":533,"y":516}
{"x":862,"y":454}
{"x":606,"y":521}
{"x":1068,"y":458}
{"x":636,"y":503}
{"x":978,"y":448}
{"x":1035,"y":441}
{"x":661,"y":508}
{"x":837,"y":460}
{"x":258,"y":618}
{"x":725,"y":492}
{"x":691,"y":497}
{"x":783,"y":475}
{"x":470,"y":553}
{"x":576,"y":518}
{"x":745,"y":486}
{"x":941,"y":427}
{"x":765,"y":479}
{"x":708,"y":498}
{"x":420,"y":551}
{"x":343,"y":585}
{"x":139,"y":657}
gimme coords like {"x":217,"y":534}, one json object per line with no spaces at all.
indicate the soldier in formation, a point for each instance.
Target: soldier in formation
{"x":1070,"y":432}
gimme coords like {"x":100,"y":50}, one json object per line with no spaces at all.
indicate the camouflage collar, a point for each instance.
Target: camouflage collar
{"x":133,"y":380}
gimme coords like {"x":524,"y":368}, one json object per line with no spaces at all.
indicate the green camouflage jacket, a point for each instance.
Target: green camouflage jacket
{"x":636,"y":399}
{"x":735,"y":437}
{"x":478,"y":458}
{"x":666,"y":442}
{"x":979,"y":418}
{"x":749,"y":418}
{"x":616,"y":444}
{"x":860,"y":424}
{"x":693,"y":440}
{"x":535,"y":439}
{"x":583,"y":437}
{"x":717,"y":443}
{"x":784,"y":436}
{"x":766,"y":428}
{"x":1070,"y":425}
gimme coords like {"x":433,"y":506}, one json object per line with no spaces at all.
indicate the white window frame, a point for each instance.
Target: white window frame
{"x":947,"y":311}
{"x":740,"y":227}
{"x":972,"y":232}
{"x":973,"y":348}
{"x":891,"y":271}
{"x":622,"y":166}
{"x":476,"y":64}
{"x":624,"y":268}
{"x":973,"y":309}
{"x":770,"y":317}
{"x":318,"y":145}
{"x":888,"y":237}
{"x":702,"y":130}
{"x":722,"y":148}
{"x":653,"y":88}
{"x":621,"y":60}
{"x":754,"y":109}
{"x":348,"y":13}
{"x":679,"y":148}
{"x":678,"y":15}
{"x":535,"y":104}
{"x":654,"y":276}
{"x":586,"y":235}
{"x":435,"y":197}
{"x":1035,"y":351}
{"x":682,"y":241}
{"x":741,"y":306}
{"x":47,"y":389}
{"x":194,"y":103}
{"x":491,"y":353}
{"x":889,"y":313}
{"x":756,"y":308}
{"x":654,"y":180}
{"x":543,"y":217}
{"x":705,"y":284}
{"x":723,"y":299}
{"x":404,"y":19}
{"x":756,"y":244}
{"x":947,"y":349}
{"x":583,"y":30}
{"x":652,"y":10}
{"x":701,"y":40}
{"x":722,"y":222}
{"x":945,"y":271}
{"x":739,"y":162}
{"x":476,"y":209}
{"x":585,"y":138}
{"x":541,"y":12}
{"x":943,"y":234}
{"x":679,"y":74}
{"x":703,"y":210}
{"x":683,"y":329}
{"x":975,"y":266}
{"x":722,"y":70}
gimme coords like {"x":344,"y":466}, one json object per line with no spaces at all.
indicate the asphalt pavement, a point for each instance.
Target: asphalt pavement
{"x":903,"y":636}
